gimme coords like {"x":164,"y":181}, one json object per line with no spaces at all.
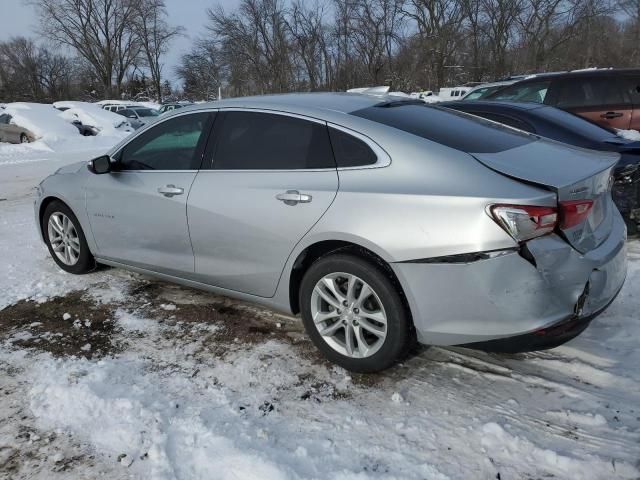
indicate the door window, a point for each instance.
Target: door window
{"x":527,"y":92}
{"x":265,"y":141}
{"x":589,"y":92}
{"x":175,"y":144}
{"x":350,"y":151}
{"x":4,"y":119}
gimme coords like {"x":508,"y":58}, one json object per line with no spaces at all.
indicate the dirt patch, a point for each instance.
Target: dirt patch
{"x":70,"y":325}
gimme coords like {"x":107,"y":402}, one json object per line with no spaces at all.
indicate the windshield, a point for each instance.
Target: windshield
{"x":482,"y":92}
{"x":146,"y":112}
{"x":526,"y":92}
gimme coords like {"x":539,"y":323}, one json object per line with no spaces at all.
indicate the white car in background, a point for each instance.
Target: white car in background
{"x":91,"y":119}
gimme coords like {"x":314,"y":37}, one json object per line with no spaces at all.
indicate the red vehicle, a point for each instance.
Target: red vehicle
{"x":608,"y":97}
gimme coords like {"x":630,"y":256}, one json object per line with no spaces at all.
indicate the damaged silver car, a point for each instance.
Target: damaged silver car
{"x":380,"y":221}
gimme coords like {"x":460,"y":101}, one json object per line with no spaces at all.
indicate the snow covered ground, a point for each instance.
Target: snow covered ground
{"x":114,"y":375}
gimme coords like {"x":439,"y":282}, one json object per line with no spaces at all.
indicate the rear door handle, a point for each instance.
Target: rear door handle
{"x":170,"y":190}
{"x":293,"y":197}
{"x":610,"y":115}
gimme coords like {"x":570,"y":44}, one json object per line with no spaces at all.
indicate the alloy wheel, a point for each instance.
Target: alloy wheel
{"x":348,"y":315}
{"x":63,"y":238}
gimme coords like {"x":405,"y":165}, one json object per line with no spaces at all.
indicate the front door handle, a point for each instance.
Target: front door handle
{"x":293,"y":197}
{"x":610,"y":115}
{"x":170,"y":190}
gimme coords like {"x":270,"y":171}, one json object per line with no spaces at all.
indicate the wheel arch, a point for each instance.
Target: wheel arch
{"x":322,"y":248}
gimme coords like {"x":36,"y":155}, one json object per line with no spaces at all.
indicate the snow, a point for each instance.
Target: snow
{"x":632,"y":135}
{"x":91,"y":114}
{"x":59,"y":139}
{"x":42,"y":120}
{"x":170,"y":405}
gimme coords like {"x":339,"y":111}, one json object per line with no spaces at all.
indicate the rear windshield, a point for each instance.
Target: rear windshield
{"x":450,"y":128}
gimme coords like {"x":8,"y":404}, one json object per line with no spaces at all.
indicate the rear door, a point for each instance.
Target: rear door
{"x":601,"y":99}
{"x":273,"y":176}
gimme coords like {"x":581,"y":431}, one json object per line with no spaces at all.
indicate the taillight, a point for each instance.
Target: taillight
{"x":524,"y":222}
{"x":574,"y":212}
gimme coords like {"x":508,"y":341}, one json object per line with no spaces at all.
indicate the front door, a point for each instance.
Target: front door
{"x":138,"y":213}
{"x":273,"y":177}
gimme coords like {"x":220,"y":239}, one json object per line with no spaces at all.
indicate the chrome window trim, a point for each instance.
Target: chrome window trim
{"x":383,"y":158}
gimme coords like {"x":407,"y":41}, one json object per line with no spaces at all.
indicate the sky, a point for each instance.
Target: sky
{"x":19,"y":18}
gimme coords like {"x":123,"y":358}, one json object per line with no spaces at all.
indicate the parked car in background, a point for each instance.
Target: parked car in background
{"x":565,"y":127}
{"x":138,"y":116}
{"x":486,"y":89}
{"x":170,"y":107}
{"x":91,"y":119}
{"x":12,"y":133}
{"x":608,"y":97}
{"x":381,"y":220}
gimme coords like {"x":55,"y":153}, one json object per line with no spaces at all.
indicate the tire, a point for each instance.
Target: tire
{"x":77,"y":258}
{"x":378,"y":352}
{"x":24,"y":138}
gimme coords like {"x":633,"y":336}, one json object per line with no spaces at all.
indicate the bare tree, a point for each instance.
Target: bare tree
{"x":200,"y":71}
{"x":439,"y":25}
{"x":155,"y":36}
{"x":100,"y":31}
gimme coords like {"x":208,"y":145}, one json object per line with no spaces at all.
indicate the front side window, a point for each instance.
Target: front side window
{"x":527,"y":92}
{"x":175,"y":144}
{"x":265,"y":141}
{"x":4,"y":119}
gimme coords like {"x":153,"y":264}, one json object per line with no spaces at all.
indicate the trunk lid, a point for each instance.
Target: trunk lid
{"x":573,"y":174}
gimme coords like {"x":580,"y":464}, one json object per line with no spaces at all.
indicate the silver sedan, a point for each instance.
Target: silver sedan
{"x":380,"y":221}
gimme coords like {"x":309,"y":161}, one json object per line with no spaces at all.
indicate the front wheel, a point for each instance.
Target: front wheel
{"x":354,"y":313}
{"x":24,"y":138}
{"x":65,"y":239}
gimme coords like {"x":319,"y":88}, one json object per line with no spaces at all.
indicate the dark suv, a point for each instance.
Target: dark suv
{"x":607,"y":97}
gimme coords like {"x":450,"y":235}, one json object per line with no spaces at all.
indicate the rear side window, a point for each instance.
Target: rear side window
{"x":447,"y":127}
{"x":526,"y":92}
{"x":264,"y":141}
{"x":350,"y":151}
{"x":174,"y":144}
{"x":589,"y":92}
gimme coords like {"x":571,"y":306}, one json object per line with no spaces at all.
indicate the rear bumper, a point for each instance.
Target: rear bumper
{"x":508,"y":295}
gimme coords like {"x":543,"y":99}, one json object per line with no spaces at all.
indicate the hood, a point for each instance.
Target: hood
{"x":71,"y":168}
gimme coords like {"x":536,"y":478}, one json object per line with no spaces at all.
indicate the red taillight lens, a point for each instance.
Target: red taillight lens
{"x":524,"y":222}
{"x":574,"y":212}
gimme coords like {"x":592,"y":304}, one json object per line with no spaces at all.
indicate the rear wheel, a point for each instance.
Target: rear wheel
{"x":65,"y":239}
{"x":354,"y":314}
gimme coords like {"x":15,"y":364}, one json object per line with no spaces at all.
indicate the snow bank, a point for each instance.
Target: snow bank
{"x":42,"y":120}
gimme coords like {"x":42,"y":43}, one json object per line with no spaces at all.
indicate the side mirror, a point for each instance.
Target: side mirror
{"x":100,"y":165}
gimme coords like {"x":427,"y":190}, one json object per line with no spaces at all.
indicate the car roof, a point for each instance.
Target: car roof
{"x":578,"y":73}
{"x":336,"y":102}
